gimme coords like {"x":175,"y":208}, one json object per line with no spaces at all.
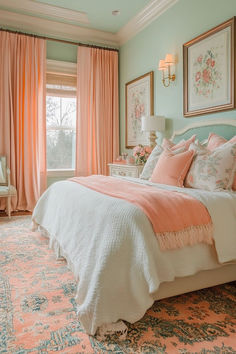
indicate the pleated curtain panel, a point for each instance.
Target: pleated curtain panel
{"x":22,"y":114}
{"x":98,"y":112}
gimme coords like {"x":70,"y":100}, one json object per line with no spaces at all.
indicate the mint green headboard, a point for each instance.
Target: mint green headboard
{"x":225,"y":128}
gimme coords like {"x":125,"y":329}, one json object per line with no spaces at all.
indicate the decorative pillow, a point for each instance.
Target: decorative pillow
{"x":168,"y":144}
{"x":172,"y":168}
{"x":152,"y":161}
{"x":212,"y":170}
{"x":215,"y":141}
{"x":2,"y":180}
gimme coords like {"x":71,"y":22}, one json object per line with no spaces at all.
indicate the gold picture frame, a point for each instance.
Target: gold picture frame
{"x":209,"y":71}
{"x":138,"y":102}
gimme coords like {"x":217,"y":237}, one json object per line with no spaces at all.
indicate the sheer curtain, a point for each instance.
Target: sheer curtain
{"x":98,"y":112}
{"x":22,"y":114}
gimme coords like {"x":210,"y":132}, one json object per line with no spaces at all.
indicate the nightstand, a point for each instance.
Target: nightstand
{"x":121,"y":169}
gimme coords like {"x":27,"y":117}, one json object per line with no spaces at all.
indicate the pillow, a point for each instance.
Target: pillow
{"x":215,"y":141}
{"x":172,"y":168}
{"x":212,"y":170}
{"x":168,"y":144}
{"x":2,"y":179}
{"x":152,"y":161}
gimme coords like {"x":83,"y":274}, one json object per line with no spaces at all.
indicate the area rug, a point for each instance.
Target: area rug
{"x":38,"y":310}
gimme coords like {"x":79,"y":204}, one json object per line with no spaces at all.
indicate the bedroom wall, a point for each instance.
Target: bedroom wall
{"x":181,"y":23}
{"x":61,"y":51}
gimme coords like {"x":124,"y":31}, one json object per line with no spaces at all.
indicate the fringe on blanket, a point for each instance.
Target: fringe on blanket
{"x":188,"y":237}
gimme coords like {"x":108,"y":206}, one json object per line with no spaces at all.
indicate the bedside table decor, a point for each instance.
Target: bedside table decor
{"x":141,"y":154}
{"x":153,"y":124}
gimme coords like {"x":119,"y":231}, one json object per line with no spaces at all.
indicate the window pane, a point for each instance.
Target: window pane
{"x":60,"y":149}
{"x":61,"y":122}
{"x":61,"y":111}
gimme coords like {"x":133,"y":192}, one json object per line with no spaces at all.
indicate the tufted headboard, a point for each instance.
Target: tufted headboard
{"x":222,"y":127}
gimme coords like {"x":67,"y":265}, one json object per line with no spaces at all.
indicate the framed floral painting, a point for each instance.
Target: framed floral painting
{"x":209,"y":71}
{"x":139,"y":102}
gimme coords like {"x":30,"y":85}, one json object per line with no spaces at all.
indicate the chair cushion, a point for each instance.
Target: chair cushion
{"x":5,"y":191}
{"x":2,"y":179}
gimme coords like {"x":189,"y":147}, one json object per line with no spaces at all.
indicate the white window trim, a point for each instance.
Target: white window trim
{"x":61,"y":67}
{"x":67,"y":173}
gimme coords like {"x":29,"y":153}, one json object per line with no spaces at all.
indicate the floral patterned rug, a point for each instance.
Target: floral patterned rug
{"x":38,"y":310}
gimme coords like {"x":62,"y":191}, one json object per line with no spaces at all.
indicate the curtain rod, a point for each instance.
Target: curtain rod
{"x":59,"y":40}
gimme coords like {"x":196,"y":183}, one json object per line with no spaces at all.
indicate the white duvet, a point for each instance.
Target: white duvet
{"x":110,"y":246}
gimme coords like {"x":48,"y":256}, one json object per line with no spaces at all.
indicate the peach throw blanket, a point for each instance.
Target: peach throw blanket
{"x":178,"y":220}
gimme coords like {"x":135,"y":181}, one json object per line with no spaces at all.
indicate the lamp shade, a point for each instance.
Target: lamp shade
{"x":169,"y":59}
{"x":153,"y":123}
{"x":162,"y":65}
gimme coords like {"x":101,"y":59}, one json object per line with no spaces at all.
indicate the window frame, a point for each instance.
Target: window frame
{"x":59,"y":68}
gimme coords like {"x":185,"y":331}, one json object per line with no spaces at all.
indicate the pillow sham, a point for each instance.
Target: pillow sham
{"x":168,"y":144}
{"x":215,"y":141}
{"x":212,"y":170}
{"x":172,"y":168}
{"x":152,"y":161}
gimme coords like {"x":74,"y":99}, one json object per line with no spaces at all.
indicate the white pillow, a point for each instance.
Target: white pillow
{"x":151,"y":162}
{"x":2,"y":179}
{"x":212,"y":170}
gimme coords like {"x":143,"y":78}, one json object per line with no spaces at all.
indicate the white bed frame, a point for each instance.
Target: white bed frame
{"x":207,"y":278}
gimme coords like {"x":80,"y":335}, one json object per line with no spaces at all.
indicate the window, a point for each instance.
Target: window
{"x":61,"y":121}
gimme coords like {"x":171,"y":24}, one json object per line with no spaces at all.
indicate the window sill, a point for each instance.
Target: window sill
{"x":61,"y":173}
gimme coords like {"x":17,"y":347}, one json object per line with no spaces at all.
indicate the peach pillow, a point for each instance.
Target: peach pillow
{"x":167,"y":144}
{"x":215,"y":141}
{"x":172,"y":169}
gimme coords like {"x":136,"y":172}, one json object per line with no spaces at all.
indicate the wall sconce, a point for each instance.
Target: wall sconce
{"x":165,"y":65}
{"x":152,"y":124}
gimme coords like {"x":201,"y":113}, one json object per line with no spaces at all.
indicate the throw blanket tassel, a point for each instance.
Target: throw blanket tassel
{"x":189,"y":236}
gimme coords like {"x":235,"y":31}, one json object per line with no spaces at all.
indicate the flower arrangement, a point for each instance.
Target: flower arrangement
{"x":141,"y":154}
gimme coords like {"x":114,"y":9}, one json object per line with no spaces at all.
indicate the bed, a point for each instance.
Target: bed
{"x":110,"y":246}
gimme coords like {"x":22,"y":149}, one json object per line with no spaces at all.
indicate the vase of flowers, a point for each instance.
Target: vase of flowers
{"x":141,"y":154}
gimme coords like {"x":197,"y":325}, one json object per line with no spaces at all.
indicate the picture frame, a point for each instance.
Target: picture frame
{"x":209,"y":71}
{"x":139,"y":102}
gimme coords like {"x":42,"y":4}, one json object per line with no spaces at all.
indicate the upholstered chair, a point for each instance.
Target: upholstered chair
{"x":6,"y":189}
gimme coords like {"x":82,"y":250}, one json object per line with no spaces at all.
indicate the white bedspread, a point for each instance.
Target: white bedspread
{"x":111,"y":248}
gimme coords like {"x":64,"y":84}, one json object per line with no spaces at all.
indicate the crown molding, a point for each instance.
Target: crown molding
{"x":34,"y":8}
{"x":151,"y":12}
{"x":55,"y":29}
{"x":73,"y":32}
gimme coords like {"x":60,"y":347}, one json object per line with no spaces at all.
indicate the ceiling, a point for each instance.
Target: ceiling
{"x":99,"y":12}
{"x":90,"y":21}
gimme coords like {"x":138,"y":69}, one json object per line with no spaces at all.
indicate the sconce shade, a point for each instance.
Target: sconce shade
{"x":162,"y":65}
{"x":169,"y":59}
{"x":153,"y":123}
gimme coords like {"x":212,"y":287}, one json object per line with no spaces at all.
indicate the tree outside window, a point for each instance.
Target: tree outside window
{"x":61,"y":128}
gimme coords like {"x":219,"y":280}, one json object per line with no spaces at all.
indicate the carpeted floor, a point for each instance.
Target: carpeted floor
{"x":38,"y":310}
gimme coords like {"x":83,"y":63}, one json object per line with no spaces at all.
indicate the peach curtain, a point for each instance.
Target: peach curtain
{"x":22,"y":114}
{"x":98,"y":111}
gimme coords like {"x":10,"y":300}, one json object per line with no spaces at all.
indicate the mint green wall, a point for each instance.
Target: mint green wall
{"x":61,"y":51}
{"x":181,"y":23}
